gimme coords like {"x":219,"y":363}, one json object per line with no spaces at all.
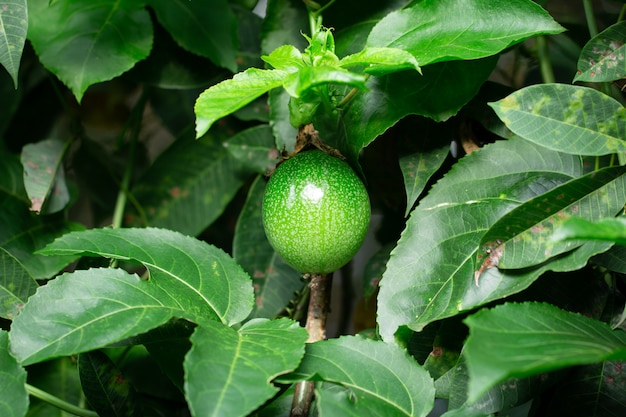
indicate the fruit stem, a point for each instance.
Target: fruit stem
{"x":319,"y":307}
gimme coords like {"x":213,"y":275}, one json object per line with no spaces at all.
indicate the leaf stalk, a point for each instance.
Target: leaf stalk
{"x":59,"y":403}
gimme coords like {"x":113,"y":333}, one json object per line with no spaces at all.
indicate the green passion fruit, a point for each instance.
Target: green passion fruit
{"x":316,"y":212}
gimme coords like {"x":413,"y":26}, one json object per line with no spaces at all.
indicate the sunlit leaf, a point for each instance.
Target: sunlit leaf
{"x":577,"y":228}
{"x":13,"y":396}
{"x":566,"y":118}
{"x":230,"y":95}
{"x":299,"y":83}
{"x":44,"y":175}
{"x":84,"y":43}
{"x":440,"y":30}
{"x":517,"y":340}
{"x":380,"y":379}
{"x":274,"y":281}
{"x":602,"y":58}
{"x":381,"y":61}
{"x":13,"y":28}
{"x":238,"y":361}
{"x":207,"y":29}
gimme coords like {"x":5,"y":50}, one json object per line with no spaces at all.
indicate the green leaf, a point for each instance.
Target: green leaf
{"x":441,"y":30}
{"x":84,"y":43}
{"x":254,"y":148}
{"x":167,"y":345}
{"x":522,"y":237}
{"x":442,"y":235}
{"x":189,"y":185}
{"x":22,"y":232}
{"x":286,"y":58}
{"x":591,"y":390}
{"x":44,"y":176}
{"x":578,"y":228}
{"x":283,"y":24}
{"x":498,"y":399}
{"x":602,"y":58}
{"x":108,"y":392}
{"x":299,"y":83}
{"x":381,"y":61}
{"x":517,"y":340}
{"x":283,"y":130}
{"x":614,"y":259}
{"x":230,"y":95}
{"x":58,"y":377}
{"x":89,"y":309}
{"x":566,"y":118}
{"x":207,"y":29}
{"x":13,"y":396}
{"x":274,"y":281}
{"x":237,"y":362}
{"x":418,"y":167}
{"x":388,"y":99}
{"x":381,"y":379}
{"x":16,"y":285}
{"x":13,"y":28}
{"x":198,"y":275}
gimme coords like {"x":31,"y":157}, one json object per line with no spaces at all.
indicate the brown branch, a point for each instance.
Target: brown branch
{"x":319,"y":307}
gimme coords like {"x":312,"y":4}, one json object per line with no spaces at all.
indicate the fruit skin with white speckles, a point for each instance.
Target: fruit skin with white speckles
{"x":316,"y":212}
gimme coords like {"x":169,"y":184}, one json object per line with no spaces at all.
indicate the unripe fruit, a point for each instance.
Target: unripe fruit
{"x":316,"y":212}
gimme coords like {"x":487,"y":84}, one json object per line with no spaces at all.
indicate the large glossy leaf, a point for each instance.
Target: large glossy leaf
{"x":207,"y":29}
{"x":22,"y":232}
{"x":195,"y":274}
{"x":440,"y":30}
{"x":430,"y":274}
{"x":439,"y":94}
{"x":380,"y":379}
{"x":274,"y":281}
{"x":602,"y":58}
{"x":566,"y":118}
{"x":16,"y":285}
{"x":188,"y":186}
{"x":108,"y":392}
{"x":521,"y":238}
{"x":224,"y":363}
{"x":517,"y":340}
{"x":230,"y":95}
{"x":13,"y":396}
{"x":90,"y":309}
{"x":84,"y":43}
{"x":44,"y":175}
{"x":13,"y":28}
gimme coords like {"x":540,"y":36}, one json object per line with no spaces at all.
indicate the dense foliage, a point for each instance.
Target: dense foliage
{"x":136,"y":141}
